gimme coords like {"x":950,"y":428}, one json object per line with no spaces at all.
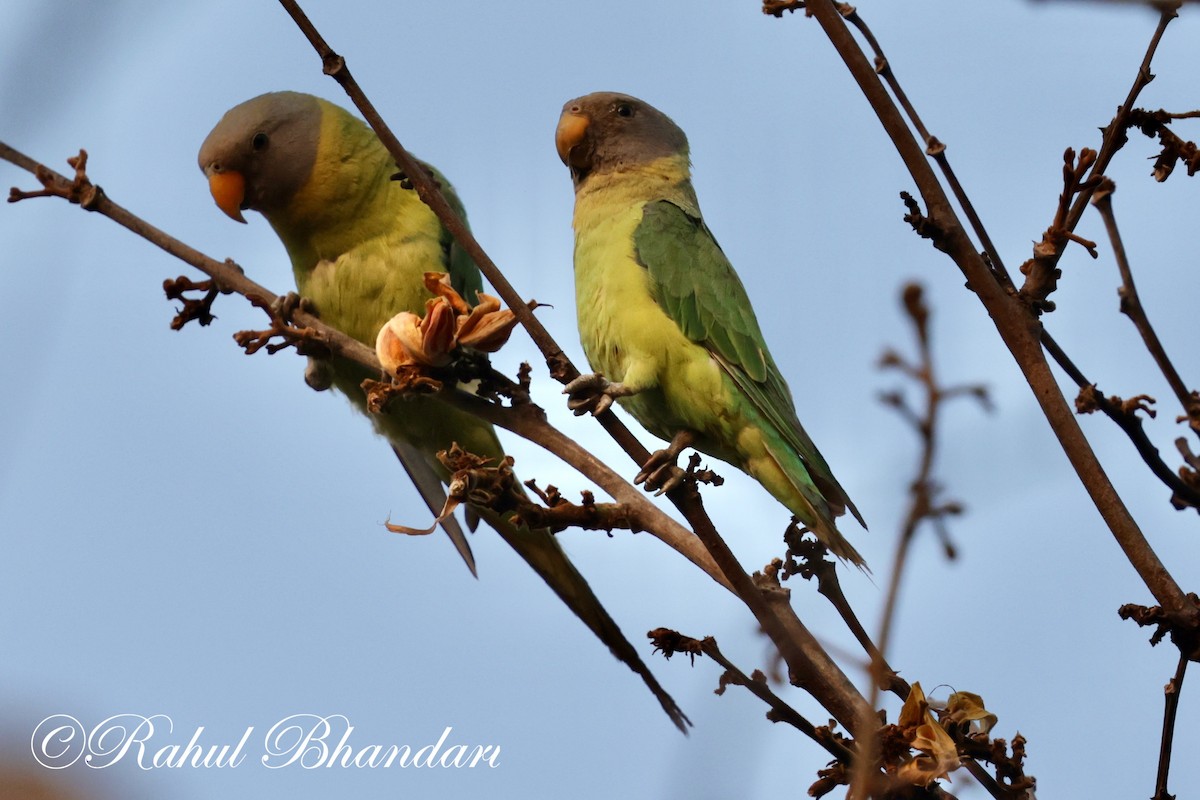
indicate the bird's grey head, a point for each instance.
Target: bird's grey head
{"x":609,"y":131}
{"x":261,"y":152}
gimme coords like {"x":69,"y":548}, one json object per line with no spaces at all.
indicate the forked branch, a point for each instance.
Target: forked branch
{"x":1015,"y":321}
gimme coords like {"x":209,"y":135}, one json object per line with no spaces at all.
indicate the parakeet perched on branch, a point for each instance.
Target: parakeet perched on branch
{"x":360,"y":244}
{"x":667,"y":324}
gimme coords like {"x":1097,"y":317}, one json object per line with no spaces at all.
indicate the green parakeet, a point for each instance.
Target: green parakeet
{"x":360,"y":244}
{"x":665,"y":321}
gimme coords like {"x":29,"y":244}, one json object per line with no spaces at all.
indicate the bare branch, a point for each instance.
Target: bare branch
{"x":1017,"y":326}
{"x":1131,"y":306}
{"x":1171,"y":692}
{"x":934,"y":147}
{"x":670,"y":643}
{"x":806,"y":557}
{"x":1114,"y":137}
{"x":923,"y":490}
{"x":227,"y":277}
{"x":1091,"y":399}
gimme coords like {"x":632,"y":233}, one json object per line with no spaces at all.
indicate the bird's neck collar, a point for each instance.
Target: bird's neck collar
{"x":669,"y":173}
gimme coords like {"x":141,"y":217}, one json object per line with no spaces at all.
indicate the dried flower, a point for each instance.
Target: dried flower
{"x":967,"y":707}
{"x":449,"y":322}
{"x":938,"y":754}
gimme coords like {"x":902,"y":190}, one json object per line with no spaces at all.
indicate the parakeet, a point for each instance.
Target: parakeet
{"x":665,"y":321}
{"x":360,"y":244}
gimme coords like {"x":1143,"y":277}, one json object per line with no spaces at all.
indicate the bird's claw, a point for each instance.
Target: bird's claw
{"x":660,"y":472}
{"x":593,"y":393}
{"x":318,"y":372}
{"x":662,"y":477}
{"x":288,"y":304}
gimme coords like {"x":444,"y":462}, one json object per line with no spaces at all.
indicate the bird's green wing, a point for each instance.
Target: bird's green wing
{"x":694,"y":283}
{"x":464,"y":274}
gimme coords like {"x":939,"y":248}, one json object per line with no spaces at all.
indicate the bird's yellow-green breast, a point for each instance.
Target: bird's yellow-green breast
{"x":359,"y":242}
{"x":626,"y":335}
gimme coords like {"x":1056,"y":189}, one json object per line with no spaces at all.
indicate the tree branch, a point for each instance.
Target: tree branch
{"x":1114,"y":137}
{"x":1171,"y":692}
{"x":1018,"y":328}
{"x":671,"y":642}
{"x":1131,"y":306}
{"x":1090,"y":399}
{"x":934,"y":147}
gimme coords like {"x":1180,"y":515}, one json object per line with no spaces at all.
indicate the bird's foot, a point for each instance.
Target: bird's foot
{"x":285,"y":306}
{"x":318,"y":372}
{"x":593,"y":393}
{"x":660,"y":474}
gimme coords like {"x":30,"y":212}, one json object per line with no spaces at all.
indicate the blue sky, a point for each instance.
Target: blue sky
{"x":192,"y":532}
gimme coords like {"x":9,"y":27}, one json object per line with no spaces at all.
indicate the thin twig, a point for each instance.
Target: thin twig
{"x":671,"y":643}
{"x":1171,"y":692}
{"x":806,"y":557}
{"x":1131,"y":306}
{"x":1130,"y":423}
{"x":934,"y":147}
{"x":1114,"y":133}
{"x":228,"y":276}
{"x":1041,"y":270}
{"x":922,"y":506}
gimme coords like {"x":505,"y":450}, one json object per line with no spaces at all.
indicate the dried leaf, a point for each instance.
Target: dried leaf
{"x":437,"y":334}
{"x":409,"y":339}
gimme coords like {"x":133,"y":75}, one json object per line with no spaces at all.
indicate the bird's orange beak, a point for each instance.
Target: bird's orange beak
{"x":228,"y":189}
{"x":571,"y":130}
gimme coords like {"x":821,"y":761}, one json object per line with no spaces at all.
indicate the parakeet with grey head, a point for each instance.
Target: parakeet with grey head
{"x":665,"y":321}
{"x":360,"y":244}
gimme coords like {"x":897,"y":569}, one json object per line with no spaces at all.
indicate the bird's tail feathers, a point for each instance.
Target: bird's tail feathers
{"x":809,"y":504}
{"x":430,"y":487}
{"x":543,"y":553}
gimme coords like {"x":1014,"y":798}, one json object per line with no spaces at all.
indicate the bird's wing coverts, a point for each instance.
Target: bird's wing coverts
{"x":694,"y":283}
{"x":464,"y":274}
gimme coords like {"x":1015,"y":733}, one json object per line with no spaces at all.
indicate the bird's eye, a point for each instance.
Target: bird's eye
{"x":624,"y":110}
{"x":260,"y":141}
